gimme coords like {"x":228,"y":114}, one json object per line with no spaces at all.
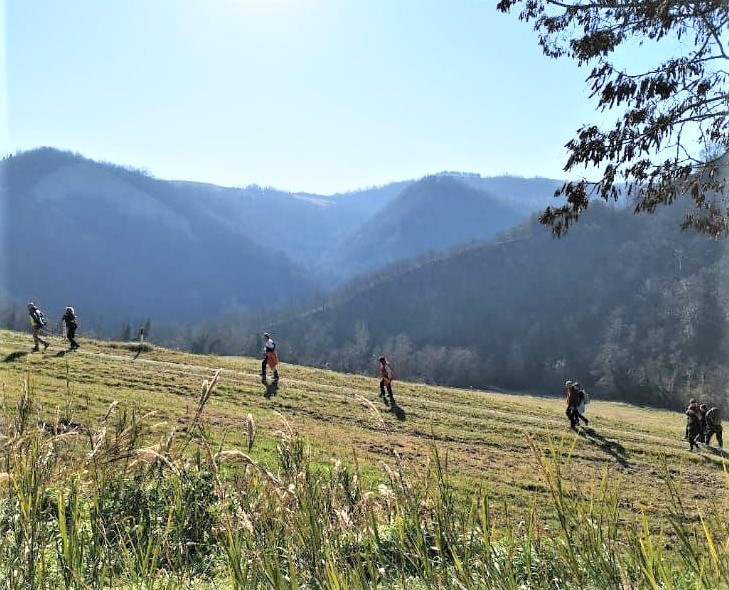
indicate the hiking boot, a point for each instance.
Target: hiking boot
{"x":34,"y":349}
{"x":45,"y":345}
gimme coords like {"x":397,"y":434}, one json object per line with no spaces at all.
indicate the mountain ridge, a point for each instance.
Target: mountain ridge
{"x":117,"y":230}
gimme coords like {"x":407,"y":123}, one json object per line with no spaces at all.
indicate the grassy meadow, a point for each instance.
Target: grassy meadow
{"x":127,"y":466}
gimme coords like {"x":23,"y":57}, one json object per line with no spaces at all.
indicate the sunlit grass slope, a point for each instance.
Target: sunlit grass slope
{"x":481,"y":436}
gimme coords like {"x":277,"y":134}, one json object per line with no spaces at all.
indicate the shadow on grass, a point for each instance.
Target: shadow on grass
{"x":713,"y":451}
{"x":716,"y":451}
{"x":60,"y":353}
{"x":397,"y":411}
{"x":14,"y":356}
{"x":271,"y":390}
{"x":135,"y":347}
{"x":611,"y":447}
{"x":392,"y":406}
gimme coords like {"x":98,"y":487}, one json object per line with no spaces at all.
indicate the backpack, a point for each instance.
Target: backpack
{"x":582,"y":397}
{"x":39,"y":318}
{"x":713,"y":417}
{"x":70,"y":317}
{"x":389,"y":373}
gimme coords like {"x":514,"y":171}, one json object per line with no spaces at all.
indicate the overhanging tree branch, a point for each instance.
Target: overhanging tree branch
{"x":681,"y":104}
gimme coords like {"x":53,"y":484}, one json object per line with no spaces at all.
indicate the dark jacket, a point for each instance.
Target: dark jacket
{"x":70,"y":319}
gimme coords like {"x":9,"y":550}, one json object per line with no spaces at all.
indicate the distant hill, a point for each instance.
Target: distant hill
{"x":305,"y":227}
{"x":432,"y":214}
{"x":120,"y":245}
{"x":520,"y":194}
{"x":123,"y":246}
{"x":337,"y":237}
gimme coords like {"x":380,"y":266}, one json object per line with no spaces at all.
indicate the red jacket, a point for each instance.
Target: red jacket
{"x":386,"y":372}
{"x":573,"y":398}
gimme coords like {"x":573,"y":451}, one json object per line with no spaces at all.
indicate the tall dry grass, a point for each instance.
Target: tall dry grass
{"x":129,"y":502}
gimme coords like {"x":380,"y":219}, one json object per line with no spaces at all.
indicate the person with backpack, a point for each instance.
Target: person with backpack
{"x":582,"y":400}
{"x":387,"y":376}
{"x":693,"y":423}
{"x":37,"y":323}
{"x":572,"y":399}
{"x":270,"y":359}
{"x":71,"y":321}
{"x":712,"y":425}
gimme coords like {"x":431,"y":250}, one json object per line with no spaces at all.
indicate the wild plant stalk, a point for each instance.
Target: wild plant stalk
{"x":79,"y":555}
{"x":24,"y":409}
{"x":30,"y":469}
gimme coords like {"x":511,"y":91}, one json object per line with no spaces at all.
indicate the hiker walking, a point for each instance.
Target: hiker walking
{"x":270,"y":359}
{"x":387,"y":376}
{"x":693,"y":423}
{"x":571,"y":399}
{"x":37,"y":323}
{"x":582,"y":400}
{"x":71,"y":322}
{"x":712,"y":425}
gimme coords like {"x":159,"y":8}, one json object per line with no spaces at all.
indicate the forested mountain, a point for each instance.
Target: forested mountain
{"x":432,"y":214}
{"x":520,"y":194}
{"x":305,"y":227}
{"x":119,"y":245}
{"x":123,"y":246}
{"x":627,"y":304}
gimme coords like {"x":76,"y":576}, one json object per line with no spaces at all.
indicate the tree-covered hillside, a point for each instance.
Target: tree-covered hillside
{"x":433,"y":214}
{"x":629,"y":305}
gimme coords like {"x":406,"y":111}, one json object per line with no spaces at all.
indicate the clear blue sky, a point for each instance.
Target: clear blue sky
{"x":320,"y":96}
